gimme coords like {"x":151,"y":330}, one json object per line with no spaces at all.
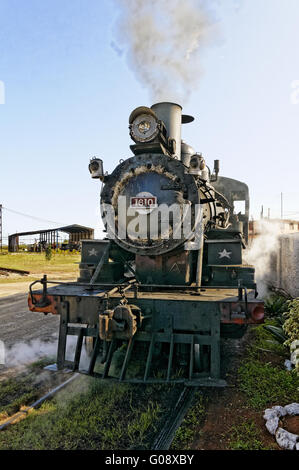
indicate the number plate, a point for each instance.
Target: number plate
{"x":143,"y":202}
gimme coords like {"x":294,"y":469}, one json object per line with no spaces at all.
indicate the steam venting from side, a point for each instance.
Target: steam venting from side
{"x":261,"y":254}
{"x":163,"y":40}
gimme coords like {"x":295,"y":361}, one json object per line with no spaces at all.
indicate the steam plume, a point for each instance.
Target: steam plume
{"x":163,"y":41}
{"x":261,"y":254}
{"x":25,"y":353}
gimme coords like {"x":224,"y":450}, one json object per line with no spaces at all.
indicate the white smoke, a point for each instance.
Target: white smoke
{"x":22,"y":354}
{"x":163,"y":40}
{"x":25,"y":353}
{"x":262,"y":253}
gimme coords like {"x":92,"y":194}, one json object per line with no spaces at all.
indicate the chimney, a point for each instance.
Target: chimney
{"x":171,"y":115}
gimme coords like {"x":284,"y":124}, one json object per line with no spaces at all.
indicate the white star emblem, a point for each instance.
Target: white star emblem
{"x":224,"y":254}
{"x":93,"y":252}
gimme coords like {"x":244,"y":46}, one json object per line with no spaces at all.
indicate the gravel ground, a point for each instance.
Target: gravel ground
{"x":14,"y":288}
{"x":19,"y":325}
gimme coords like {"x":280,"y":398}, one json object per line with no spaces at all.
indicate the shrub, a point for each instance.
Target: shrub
{"x":291,"y":324}
{"x":48,"y":253}
{"x":275,"y":306}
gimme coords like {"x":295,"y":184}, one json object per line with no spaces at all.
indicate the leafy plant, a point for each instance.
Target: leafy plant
{"x":291,"y":324}
{"x":48,"y":253}
{"x":277,"y":332}
{"x":265,"y":341}
{"x":275,"y":306}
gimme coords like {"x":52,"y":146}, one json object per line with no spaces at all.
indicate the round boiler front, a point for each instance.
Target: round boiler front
{"x":152,"y":204}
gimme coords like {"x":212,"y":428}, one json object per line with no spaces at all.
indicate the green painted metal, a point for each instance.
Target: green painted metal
{"x":184,"y":326}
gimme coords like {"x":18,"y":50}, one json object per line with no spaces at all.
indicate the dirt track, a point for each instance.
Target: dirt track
{"x":14,"y":288}
{"x":19,"y":325}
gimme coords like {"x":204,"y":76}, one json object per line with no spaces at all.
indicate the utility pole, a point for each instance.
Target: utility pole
{"x":281,"y":206}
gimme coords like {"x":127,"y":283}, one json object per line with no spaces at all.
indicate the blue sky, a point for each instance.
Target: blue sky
{"x":68,"y":96}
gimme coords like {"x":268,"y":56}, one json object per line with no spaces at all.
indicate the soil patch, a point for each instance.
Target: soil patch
{"x":291,"y":424}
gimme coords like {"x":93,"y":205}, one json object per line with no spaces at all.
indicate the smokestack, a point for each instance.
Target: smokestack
{"x":171,"y":115}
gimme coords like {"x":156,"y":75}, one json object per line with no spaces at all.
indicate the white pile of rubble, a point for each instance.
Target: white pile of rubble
{"x":285,"y":439}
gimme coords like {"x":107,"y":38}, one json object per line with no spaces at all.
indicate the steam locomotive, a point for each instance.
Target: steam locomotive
{"x":155,"y":296}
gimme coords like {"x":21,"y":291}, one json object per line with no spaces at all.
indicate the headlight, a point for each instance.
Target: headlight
{"x":96,"y":168}
{"x":144,"y":128}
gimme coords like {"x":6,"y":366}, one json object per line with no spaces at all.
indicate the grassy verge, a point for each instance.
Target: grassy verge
{"x":263,"y":382}
{"x":262,"y":376}
{"x":26,"y":387}
{"x":62,"y":266}
{"x":233,"y":418}
{"x":36,"y":262}
{"x":90,"y":414}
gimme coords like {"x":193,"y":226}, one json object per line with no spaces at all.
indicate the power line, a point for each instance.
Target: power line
{"x":31,"y":216}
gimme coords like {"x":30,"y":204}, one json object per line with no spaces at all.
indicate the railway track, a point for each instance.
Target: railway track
{"x":14,"y":271}
{"x":166,"y":434}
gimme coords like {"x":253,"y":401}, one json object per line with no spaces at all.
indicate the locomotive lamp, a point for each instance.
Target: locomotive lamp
{"x":96,"y":168}
{"x":144,"y":125}
{"x":198,"y":166}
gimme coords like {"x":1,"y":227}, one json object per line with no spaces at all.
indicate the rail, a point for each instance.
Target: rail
{"x":166,"y":434}
{"x":24,"y":413}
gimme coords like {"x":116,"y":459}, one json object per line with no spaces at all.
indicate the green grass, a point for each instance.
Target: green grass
{"x":265,"y":384}
{"x":36,"y":263}
{"x":91,"y":414}
{"x":21,"y":390}
{"x":262,"y":376}
{"x":184,"y":436}
{"x":15,"y":393}
{"x":246,"y":436}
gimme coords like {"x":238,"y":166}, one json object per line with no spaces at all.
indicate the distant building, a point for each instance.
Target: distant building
{"x":51,"y":237}
{"x":286,"y":226}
